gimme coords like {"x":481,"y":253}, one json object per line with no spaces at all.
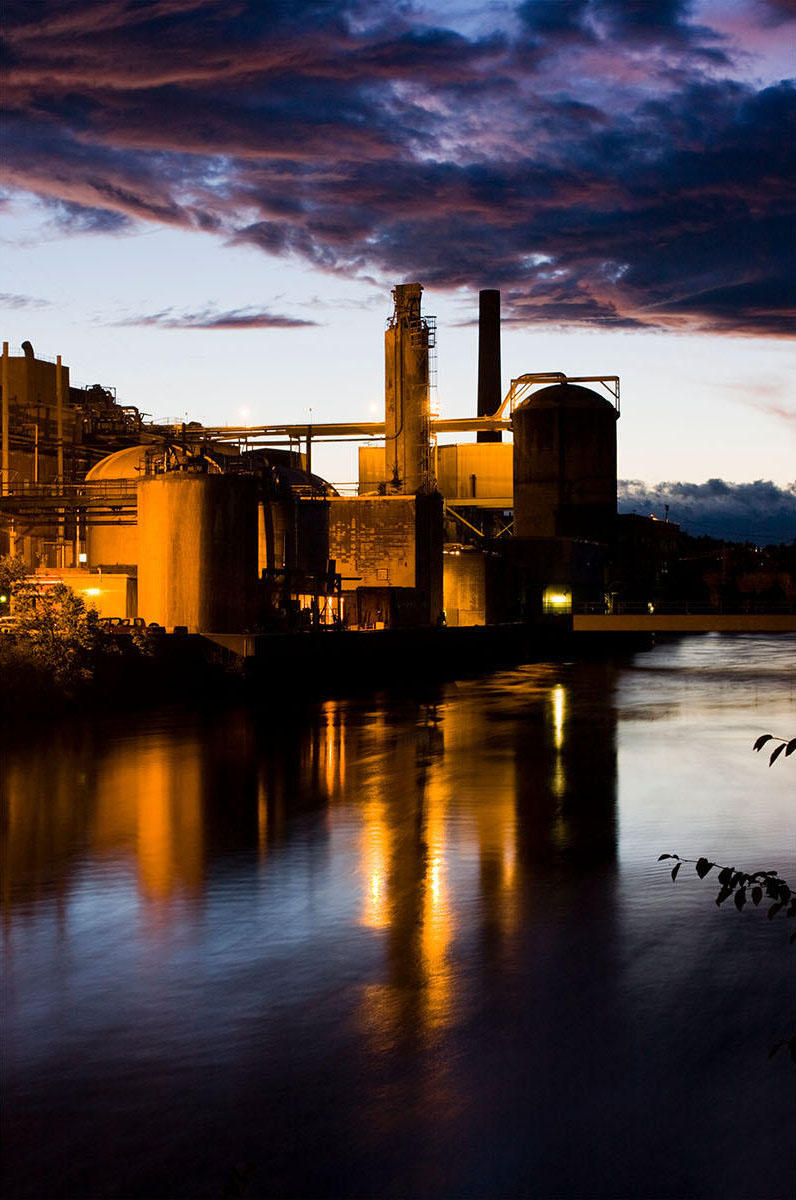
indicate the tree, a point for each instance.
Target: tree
{"x":56,"y":641}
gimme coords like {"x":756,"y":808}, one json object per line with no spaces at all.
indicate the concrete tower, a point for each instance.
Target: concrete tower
{"x":406,"y":395}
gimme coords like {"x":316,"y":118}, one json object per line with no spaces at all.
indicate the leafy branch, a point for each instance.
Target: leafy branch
{"x":736,"y":883}
{"x":784,"y":744}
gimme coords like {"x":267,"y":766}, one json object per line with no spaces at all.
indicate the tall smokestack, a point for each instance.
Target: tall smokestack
{"x":489,"y":393}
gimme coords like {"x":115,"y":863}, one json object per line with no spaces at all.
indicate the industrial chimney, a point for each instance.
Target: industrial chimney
{"x":489,"y":390}
{"x":406,"y":394}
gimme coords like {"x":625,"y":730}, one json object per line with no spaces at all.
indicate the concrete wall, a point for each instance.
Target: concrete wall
{"x":482,"y":470}
{"x":390,"y":541}
{"x":492,"y":464}
{"x":464,"y":587}
{"x":112,"y":546}
{"x":111,"y":594}
{"x":373,"y":538}
{"x":198,"y":551}
{"x":372,"y":468}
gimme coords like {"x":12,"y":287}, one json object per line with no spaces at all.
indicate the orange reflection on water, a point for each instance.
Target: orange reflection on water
{"x":559,"y":712}
{"x":333,"y":753}
{"x":140,"y":805}
{"x":151,"y":801}
{"x":437,"y":915}
{"x":376,"y":849}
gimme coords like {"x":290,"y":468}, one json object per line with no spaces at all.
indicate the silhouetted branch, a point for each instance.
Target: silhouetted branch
{"x":784,"y":744}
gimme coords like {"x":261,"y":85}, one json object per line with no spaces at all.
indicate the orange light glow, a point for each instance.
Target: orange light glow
{"x":375,"y":865}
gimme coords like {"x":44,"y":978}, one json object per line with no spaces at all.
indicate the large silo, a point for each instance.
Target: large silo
{"x":197,"y":563}
{"x":407,"y":412}
{"x":565,"y":464}
{"x":114,"y":545}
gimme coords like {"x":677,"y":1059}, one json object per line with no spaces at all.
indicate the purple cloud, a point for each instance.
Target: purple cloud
{"x":595,"y":158}
{"x":208,"y":318}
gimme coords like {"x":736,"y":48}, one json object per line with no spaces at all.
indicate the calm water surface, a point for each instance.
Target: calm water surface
{"x":407,"y":945}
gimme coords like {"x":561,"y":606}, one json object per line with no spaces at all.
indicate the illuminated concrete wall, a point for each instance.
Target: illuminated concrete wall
{"x":481,"y":470}
{"x":372,"y":468}
{"x":373,"y":541}
{"x":464,"y":586}
{"x":469,"y":469}
{"x":111,"y":594}
{"x":389,"y":541}
{"x":198,"y":551}
{"x":33,"y":394}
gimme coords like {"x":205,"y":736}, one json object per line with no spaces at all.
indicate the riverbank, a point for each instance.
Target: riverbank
{"x":199,"y":670}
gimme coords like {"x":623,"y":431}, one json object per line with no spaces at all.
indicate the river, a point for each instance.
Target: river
{"x":409,"y":944}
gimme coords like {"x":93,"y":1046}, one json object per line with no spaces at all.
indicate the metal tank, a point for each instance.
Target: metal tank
{"x":406,"y":394}
{"x":197,"y":563}
{"x":565,"y":464}
{"x":115,"y":544}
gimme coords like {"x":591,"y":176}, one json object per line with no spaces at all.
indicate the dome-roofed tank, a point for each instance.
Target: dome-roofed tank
{"x":565,"y":464}
{"x":116,"y":545}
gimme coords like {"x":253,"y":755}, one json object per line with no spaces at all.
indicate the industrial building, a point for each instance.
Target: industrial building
{"x":228,"y":530}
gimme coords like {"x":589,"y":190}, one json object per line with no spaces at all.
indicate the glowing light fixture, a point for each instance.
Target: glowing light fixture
{"x":92,"y":591}
{"x":557,"y":600}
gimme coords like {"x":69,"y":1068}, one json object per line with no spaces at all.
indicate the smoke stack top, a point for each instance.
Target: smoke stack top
{"x":489,"y":387}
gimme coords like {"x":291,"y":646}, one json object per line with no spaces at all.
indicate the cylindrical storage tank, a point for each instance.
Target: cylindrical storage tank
{"x":114,"y":546}
{"x":197,"y":551}
{"x":565,"y":464}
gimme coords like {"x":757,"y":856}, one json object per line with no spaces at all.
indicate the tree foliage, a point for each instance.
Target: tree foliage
{"x":56,"y":642}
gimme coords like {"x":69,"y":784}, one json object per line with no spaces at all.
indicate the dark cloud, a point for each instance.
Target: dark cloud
{"x":592,"y":159}
{"x":758,"y":512}
{"x":209,"y":318}
{"x":775,"y":12}
{"x":13,"y":300}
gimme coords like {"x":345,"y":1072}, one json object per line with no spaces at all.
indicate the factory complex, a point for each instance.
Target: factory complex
{"x":227,"y":530}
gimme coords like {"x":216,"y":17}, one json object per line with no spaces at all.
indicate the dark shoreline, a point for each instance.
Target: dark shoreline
{"x":198,"y":673}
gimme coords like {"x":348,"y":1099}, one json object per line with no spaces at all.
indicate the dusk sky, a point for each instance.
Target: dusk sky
{"x":206,"y":203}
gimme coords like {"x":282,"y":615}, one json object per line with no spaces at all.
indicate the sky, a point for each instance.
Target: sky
{"x":205,"y":204}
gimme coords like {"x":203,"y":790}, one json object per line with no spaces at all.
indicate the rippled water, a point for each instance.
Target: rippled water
{"x":407,"y":945}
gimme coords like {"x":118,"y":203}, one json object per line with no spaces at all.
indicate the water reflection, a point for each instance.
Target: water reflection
{"x":444,"y":806}
{"x":387,"y":946}
{"x":429,"y":784}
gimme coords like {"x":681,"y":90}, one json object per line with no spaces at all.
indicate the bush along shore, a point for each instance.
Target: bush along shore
{"x":57,"y":656}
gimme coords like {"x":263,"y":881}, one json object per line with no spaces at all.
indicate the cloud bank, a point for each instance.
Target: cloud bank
{"x":757,"y":512}
{"x":209,"y":318}
{"x":602,"y":161}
